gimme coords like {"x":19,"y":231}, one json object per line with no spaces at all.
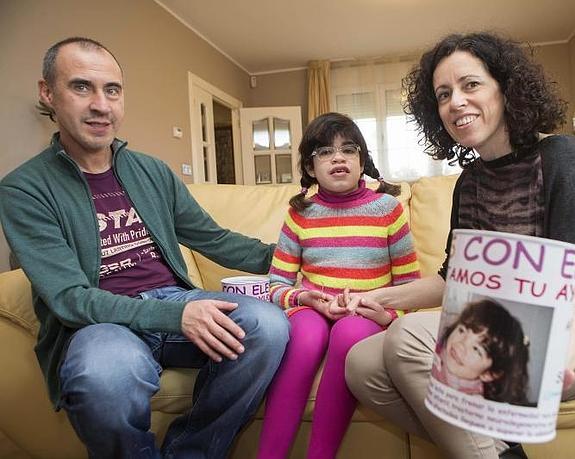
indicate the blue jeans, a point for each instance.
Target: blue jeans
{"x":110,"y":373}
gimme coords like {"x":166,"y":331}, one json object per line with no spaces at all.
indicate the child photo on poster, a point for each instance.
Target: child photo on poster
{"x":484,"y":350}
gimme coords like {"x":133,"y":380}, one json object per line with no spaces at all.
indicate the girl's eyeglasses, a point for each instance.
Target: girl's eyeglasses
{"x":328,"y":153}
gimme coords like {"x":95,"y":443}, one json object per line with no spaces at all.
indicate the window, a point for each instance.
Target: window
{"x":375,"y":104}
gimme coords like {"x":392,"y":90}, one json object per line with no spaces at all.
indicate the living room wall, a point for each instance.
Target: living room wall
{"x":572,"y":57}
{"x":156,"y":52}
{"x":281,"y":89}
{"x":557,"y":61}
{"x":290,"y":88}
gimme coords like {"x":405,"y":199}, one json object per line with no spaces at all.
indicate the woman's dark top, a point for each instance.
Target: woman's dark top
{"x":531,"y":194}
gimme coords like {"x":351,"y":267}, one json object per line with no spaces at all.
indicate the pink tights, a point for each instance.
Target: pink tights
{"x":312,"y":336}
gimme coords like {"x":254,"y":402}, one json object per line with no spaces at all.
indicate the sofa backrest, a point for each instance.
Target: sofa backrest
{"x":430,"y":210}
{"x":259,"y":211}
{"x":254,"y":210}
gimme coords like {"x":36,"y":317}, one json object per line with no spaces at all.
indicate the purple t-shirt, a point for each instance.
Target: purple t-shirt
{"x":131,"y":261}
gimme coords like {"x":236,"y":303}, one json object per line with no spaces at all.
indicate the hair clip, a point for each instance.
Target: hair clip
{"x":380,"y":179}
{"x":303,"y":191}
{"x":526,"y":341}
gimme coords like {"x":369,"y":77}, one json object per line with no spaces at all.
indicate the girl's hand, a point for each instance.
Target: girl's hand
{"x":315,"y":299}
{"x":349,"y":301}
{"x":335,"y":310}
{"x":323,"y":303}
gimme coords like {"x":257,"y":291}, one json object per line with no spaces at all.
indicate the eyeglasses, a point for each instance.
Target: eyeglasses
{"x":325,"y":154}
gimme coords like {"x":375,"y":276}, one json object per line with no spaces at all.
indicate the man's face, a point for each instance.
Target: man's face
{"x":87,"y":98}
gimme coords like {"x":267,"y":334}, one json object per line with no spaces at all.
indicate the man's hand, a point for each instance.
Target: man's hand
{"x":205,"y":325}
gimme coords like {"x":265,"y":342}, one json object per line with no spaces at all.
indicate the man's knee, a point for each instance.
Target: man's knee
{"x":264,"y":323}
{"x":105,"y":359}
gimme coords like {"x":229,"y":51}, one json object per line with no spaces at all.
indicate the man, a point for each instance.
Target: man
{"x":96,"y":228}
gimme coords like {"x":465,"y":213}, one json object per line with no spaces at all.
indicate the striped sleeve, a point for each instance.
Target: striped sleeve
{"x":286,"y":264}
{"x":404,"y":264}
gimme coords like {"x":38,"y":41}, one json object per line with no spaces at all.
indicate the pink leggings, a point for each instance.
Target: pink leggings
{"x":311,"y":337}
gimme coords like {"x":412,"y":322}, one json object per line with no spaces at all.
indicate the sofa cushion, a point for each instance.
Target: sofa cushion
{"x":256,"y":211}
{"x":430,"y":209}
{"x":16,"y":301}
{"x":193,"y":271}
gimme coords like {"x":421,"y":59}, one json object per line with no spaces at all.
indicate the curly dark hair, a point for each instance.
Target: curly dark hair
{"x":532,"y":104}
{"x":322,"y":131}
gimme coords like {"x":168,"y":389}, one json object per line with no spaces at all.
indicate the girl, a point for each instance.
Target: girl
{"x":484,"y":353}
{"x":481,"y":100}
{"x":344,"y":238}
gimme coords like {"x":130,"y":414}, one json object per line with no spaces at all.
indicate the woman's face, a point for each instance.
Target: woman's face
{"x":338,"y":173}
{"x":465,"y":355}
{"x":471,"y":105}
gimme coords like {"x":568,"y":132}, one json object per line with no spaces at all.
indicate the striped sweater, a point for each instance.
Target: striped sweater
{"x":361,"y":241}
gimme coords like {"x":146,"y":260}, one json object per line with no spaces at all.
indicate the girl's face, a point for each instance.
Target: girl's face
{"x":340,"y":173}
{"x":465,"y":355}
{"x":471,"y":105}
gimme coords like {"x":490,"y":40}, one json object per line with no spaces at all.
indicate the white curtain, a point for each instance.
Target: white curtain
{"x":370,"y":93}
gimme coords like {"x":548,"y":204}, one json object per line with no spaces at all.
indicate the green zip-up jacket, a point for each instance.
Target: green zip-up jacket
{"x":50,"y":223}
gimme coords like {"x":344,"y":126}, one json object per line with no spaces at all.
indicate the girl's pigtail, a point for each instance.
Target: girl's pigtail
{"x":299,"y":201}
{"x":384,"y":187}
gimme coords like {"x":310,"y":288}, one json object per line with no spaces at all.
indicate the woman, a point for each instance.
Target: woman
{"x":471,"y":94}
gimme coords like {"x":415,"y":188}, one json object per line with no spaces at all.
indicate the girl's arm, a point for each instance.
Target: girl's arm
{"x":402,"y":256}
{"x":286,"y":265}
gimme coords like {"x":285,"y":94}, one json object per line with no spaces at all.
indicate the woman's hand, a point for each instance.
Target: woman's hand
{"x":374,"y":311}
{"x":569,"y":376}
{"x":568,"y":379}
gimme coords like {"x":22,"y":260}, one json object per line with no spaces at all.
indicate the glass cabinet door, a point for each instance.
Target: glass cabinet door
{"x":283,"y":169}
{"x":270,"y":137}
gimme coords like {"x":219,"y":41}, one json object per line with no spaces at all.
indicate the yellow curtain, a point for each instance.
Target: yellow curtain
{"x":317,"y":88}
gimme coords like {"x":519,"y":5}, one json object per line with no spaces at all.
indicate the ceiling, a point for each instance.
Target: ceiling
{"x":264,"y":36}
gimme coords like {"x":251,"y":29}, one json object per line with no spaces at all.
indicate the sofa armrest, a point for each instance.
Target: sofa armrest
{"x":16,"y":300}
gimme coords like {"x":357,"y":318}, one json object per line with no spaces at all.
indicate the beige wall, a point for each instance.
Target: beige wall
{"x":156,"y":52}
{"x":290,"y":88}
{"x":280,"y":89}
{"x":556,"y":61}
{"x":572,"y":57}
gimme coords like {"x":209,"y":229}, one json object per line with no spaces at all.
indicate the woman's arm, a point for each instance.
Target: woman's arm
{"x":423,"y":293}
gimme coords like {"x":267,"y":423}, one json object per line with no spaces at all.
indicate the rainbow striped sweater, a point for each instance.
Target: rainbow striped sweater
{"x":361,"y":241}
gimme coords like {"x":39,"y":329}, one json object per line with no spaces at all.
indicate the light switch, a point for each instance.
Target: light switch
{"x":186,"y":169}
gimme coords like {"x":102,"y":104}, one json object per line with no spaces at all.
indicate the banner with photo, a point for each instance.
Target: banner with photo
{"x":504,"y":335}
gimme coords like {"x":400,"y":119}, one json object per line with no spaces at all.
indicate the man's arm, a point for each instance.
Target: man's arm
{"x":197,"y":230}
{"x":35,"y":233}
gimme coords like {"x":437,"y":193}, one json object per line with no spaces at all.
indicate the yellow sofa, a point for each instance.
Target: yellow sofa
{"x":30,"y":428}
